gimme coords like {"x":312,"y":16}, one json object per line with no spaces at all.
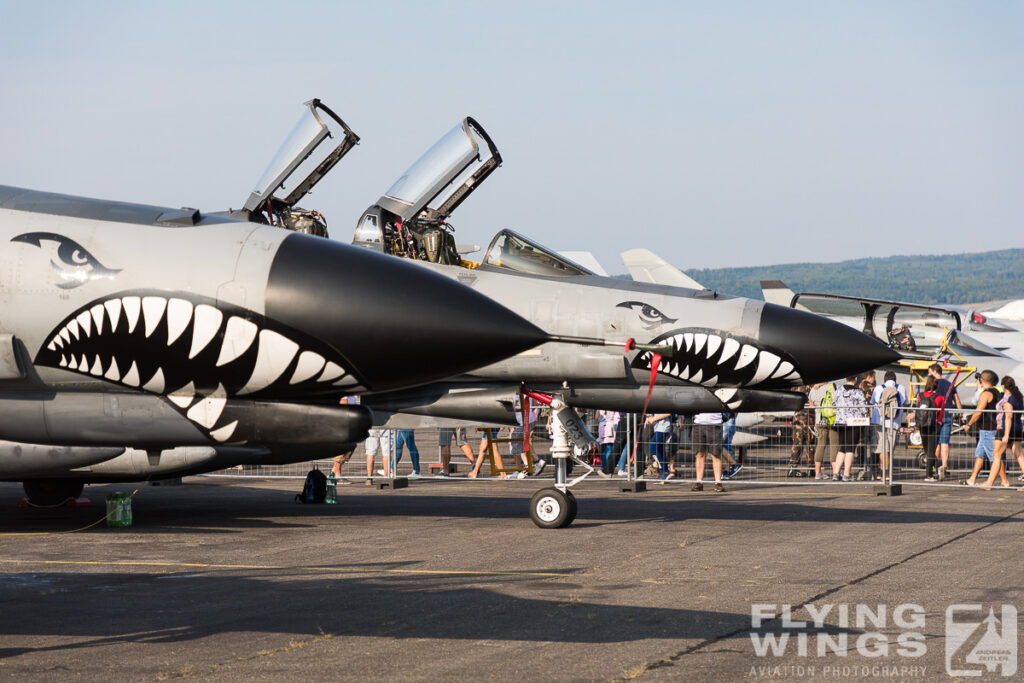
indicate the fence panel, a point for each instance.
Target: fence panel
{"x":769,"y":448}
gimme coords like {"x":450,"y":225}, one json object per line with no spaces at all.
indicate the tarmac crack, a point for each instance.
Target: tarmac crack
{"x":212,"y":668}
{"x":671,"y":660}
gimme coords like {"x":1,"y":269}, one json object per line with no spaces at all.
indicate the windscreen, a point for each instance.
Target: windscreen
{"x":513,"y":251}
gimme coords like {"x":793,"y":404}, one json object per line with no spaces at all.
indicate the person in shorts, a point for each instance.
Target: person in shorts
{"x":985,"y":417}
{"x":950,"y":398}
{"x":851,"y":416}
{"x":343,"y":458}
{"x":445,"y":436}
{"x":1008,"y":431}
{"x":886,"y":419}
{"x":378,"y":440}
{"x":706,"y":437}
{"x":825,"y":432}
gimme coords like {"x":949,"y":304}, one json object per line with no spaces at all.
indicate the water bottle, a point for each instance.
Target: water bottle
{"x":113,"y":510}
{"x":332,"y":490}
{"x":126,"y":510}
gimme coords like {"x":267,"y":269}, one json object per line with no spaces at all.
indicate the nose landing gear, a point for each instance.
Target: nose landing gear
{"x":555,"y":507}
{"x":551,"y":508}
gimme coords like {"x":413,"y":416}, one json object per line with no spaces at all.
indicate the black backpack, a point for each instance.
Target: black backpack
{"x":930,"y":414}
{"x":315,"y":488}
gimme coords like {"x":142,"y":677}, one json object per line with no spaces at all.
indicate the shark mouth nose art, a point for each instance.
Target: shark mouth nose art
{"x":702,"y":357}
{"x":193,"y":348}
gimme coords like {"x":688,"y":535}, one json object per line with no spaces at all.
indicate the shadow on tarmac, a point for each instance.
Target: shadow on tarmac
{"x":110,"y":608}
{"x":228,"y":510}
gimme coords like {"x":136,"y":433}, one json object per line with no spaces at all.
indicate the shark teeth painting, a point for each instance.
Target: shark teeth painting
{"x":701,"y":356}
{"x":198,"y":353}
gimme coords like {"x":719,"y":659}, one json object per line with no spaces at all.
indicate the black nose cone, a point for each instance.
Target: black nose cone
{"x":397,"y":323}
{"x":822,"y":349}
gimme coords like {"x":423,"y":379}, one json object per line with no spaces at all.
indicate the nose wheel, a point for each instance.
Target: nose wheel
{"x":551,"y":508}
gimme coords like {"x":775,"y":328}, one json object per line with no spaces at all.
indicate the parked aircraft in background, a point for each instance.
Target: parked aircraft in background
{"x":717,"y":352}
{"x":955,"y":335}
{"x":143,"y":341}
{"x":1010,"y":313}
{"x":926,"y":324}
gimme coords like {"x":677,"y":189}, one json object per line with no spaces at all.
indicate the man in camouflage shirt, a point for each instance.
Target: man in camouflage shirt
{"x":803,"y":438}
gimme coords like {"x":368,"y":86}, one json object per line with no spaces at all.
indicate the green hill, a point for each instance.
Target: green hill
{"x":946,"y":279}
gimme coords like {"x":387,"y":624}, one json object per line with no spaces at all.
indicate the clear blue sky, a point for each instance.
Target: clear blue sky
{"x":715,"y":133}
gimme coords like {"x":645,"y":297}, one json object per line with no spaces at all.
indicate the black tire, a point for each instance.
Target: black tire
{"x":52,"y":491}
{"x":550,"y":508}
{"x":573,"y":508}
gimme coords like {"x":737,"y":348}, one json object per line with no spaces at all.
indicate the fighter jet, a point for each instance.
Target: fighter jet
{"x":952,"y":335}
{"x":706,"y":351}
{"x":144,"y":341}
{"x":909,"y":326}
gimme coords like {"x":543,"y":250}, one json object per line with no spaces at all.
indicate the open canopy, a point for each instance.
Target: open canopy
{"x":314,"y":127}
{"x":444,"y":176}
{"x":884,"y":320}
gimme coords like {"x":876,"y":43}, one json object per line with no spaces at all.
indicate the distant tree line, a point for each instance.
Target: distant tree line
{"x":947,"y":279}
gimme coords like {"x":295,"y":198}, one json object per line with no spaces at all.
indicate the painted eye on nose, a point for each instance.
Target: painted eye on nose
{"x":72,"y":263}
{"x":78,"y":258}
{"x":648,"y":314}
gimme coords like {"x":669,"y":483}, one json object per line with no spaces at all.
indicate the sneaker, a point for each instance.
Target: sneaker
{"x":442,"y":474}
{"x":942,"y":472}
{"x":520,"y":475}
{"x":414,"y":475}
{"x":381,"y":473}
{"x":344,"y":482}
{"x":538,"y":466}
{"x":697,"y":487}
{"x":835,"y":477}
{"x":793,"y":472}
{"x":1020,"y":478}
{"x":929,"y":478}
{"x":820,"y":477}
{"x":368,"y":482}
{"x":735,"y":470}
{"x":847,"y":477}
{"x":862,"y":475}
{"x":622,"y":473}
{"x":718,"y":487}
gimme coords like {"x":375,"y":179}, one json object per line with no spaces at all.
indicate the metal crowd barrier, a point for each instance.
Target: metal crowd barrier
{"x":767,"y":449}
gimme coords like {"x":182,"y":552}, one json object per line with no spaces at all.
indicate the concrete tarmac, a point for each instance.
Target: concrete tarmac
{"x":232,"y":580}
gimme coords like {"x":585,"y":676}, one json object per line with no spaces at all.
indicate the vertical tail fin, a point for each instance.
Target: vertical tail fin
{"x":776,"y":292}
{"x":646,"y":266}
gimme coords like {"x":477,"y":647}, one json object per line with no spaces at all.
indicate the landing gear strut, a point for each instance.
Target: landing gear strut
{"x":555,"y":507}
